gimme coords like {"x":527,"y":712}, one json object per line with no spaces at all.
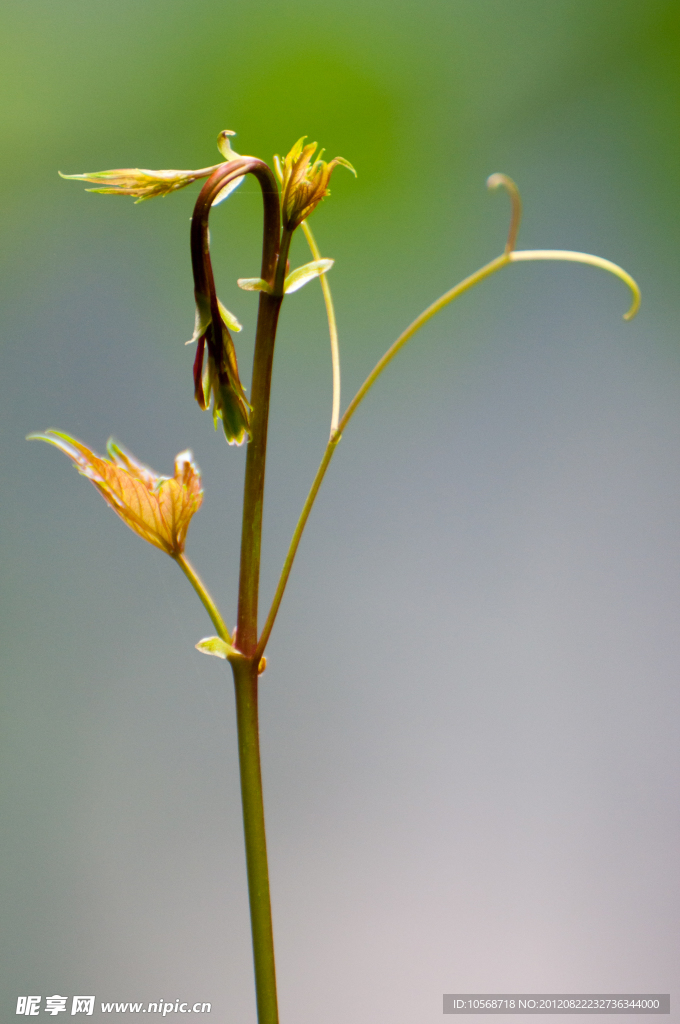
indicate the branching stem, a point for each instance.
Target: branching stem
{"x":304,"y":185}
{"x":245,"y":662}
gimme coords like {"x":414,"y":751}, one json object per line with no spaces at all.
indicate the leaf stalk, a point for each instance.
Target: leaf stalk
{"x":205,"y":598}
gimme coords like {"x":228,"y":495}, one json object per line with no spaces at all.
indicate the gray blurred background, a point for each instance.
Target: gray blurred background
{"x":470,"y":715}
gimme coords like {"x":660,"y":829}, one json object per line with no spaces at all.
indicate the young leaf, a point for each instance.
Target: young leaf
{"x":140,"y":182}
{"x":229,"y":318}
{"x":158,"y":509}
{"x":216,"y":646}
{"x":253,"y":284}
{"x":204,"y":318}
{"x":299,"y":277}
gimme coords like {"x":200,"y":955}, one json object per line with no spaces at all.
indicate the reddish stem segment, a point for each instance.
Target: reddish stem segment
{"x":253,"y":497}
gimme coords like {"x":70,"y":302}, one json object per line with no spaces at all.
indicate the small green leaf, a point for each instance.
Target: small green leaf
{"x":229,"y":318}
{"x":344,"y":163}
{"x":302,"y":275}
{"x":216,"y":646}
{"x":204,"y":318}
{"x":254,"y":284}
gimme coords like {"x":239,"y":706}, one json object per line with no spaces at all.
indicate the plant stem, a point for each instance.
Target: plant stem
{"x":253,"y":494}
{"x":246,"y":662}
{"x":245,"y":668}
{"x":244,"y":665}
{"x":245,"y":685}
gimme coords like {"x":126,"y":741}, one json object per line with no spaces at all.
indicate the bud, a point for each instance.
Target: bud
{"x":158,"y":508}
{"x":304,"y":183}
{"x":219,"y":381}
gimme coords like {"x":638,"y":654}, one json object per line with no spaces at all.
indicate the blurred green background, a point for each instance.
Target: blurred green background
{"x":470,"y":715}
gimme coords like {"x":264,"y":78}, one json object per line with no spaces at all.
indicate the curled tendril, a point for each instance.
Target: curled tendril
{"x":583,"y":257}
{"x":515,"y":256}
{"x":496,"y":180}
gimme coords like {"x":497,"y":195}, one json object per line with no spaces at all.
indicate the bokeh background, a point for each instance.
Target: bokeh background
{"x":470,"y":715}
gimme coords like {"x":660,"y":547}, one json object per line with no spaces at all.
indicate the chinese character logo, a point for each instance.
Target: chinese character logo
{"x":83,"y":1004}
{"x":55,"y":1005}
{"x":29,"y":1005}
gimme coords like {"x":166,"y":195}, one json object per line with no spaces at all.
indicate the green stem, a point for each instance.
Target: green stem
{"x":245,"y":685}
{"x":244,"y":665}
{"x":206,"y":600}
